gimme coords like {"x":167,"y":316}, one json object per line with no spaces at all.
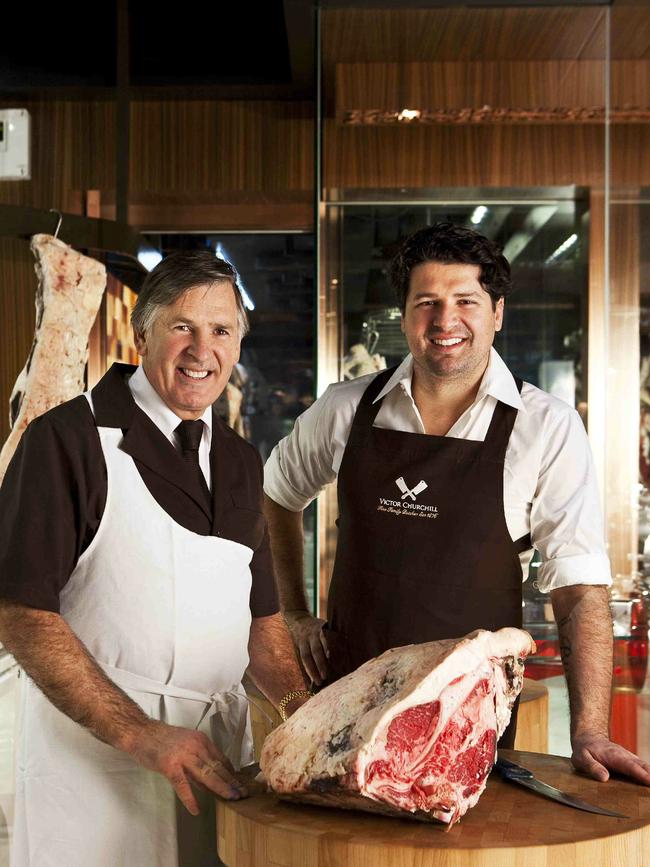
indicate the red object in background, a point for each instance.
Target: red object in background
{"x":630,"y":663}
{"x":545,"y":662}
{"x":623,"y":720}
{"x":630,"y":666}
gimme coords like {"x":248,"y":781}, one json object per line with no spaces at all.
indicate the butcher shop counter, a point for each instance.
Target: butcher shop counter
{"x":509,"y":827}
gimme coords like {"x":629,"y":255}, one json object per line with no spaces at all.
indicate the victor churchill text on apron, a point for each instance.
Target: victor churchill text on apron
{"x":424,"y":551}
{"x":166,"y":613}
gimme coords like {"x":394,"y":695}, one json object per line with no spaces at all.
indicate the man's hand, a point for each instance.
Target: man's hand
{"x":307,"y":633}
{"x":595,"y":755}
{"x":185,"y":757}
{"x":52,"y":655}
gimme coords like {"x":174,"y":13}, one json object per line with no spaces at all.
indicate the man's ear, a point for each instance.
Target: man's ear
{"x":498,"y":314}
{"x":139,"y":341}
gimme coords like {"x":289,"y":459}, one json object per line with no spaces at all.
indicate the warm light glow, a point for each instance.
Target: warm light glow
{"x":409,"y":114}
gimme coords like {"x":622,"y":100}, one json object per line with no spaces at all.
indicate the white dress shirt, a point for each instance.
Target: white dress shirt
{"x":549,"y":480}
{"x":151,"y":403}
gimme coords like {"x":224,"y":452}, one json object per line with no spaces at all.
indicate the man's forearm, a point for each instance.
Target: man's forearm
{"x":273,"y":667}
{"x":585,"y":633}
{"x":287,"y":543}
{"x":51,"y":654}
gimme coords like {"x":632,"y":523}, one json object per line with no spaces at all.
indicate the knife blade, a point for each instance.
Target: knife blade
{"x":421,"y":486}
{"x":401,"y":484}
{"x":516,"y":774}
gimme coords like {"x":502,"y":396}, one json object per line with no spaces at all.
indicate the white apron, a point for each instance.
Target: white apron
{"x":166,"y":613}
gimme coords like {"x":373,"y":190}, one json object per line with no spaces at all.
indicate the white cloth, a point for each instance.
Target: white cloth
{"x":550,"y":487}
{"x":150,"y":402}
{"x":166,"y":612}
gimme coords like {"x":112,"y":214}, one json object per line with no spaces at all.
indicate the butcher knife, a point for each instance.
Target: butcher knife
{"x":516,"y":774}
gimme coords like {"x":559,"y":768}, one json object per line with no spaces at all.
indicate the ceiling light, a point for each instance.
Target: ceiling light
{"x":562,"y":249}
{"x":478,"y":214}
{"x":149,"y":258}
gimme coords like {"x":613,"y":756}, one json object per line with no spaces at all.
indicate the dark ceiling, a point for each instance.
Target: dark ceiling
{"x":265,"y":47}
{"x":75,"y":44}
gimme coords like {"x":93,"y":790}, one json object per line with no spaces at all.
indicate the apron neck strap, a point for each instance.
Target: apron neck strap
{"x":496,"y":439}
{"x":367,"y":410}
{"x":501,"y":425}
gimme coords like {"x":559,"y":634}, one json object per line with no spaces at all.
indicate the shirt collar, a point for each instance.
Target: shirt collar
{"x":497,"y":381}
{"x":150,"y":402}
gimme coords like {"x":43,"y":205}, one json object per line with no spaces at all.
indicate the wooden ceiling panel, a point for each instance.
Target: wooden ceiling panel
{"x":408,"y":35}
{"x":630,"y":32}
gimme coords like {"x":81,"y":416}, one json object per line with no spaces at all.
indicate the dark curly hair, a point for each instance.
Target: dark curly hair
{"x":451,"y":244}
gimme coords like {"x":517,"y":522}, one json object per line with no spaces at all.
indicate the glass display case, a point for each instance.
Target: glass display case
{"x":545,"y":236}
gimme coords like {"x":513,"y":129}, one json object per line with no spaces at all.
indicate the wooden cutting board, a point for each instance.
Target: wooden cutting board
{"x":509,"y":827}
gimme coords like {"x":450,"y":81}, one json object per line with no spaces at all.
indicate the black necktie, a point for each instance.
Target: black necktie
{"x":189,"y":434}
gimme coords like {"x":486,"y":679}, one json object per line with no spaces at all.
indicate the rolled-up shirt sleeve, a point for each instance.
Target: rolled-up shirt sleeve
{"x":567,"y":527}
{"x":302,"y":463}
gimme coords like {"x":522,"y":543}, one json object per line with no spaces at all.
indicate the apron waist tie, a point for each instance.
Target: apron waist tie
{"x":229,"y":707}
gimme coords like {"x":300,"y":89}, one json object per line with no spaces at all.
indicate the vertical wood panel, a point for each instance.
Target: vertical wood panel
{"x":623,"y":386}
{"x":597,"y":339}
{"x":498,"y":84}
{"x":465,"y":156}
{"x":330,"y":353}
{"x":72,"y":150}
{"x":220,"y":146}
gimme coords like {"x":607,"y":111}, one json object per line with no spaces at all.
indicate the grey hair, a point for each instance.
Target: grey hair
{"x":178,"y":272}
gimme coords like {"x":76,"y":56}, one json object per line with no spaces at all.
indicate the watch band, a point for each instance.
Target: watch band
{"x":289,"y":697}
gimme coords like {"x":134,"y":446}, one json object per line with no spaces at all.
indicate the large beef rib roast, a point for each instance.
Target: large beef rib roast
{"x":413,"y":730}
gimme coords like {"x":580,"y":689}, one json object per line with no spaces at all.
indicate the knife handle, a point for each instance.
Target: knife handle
{"x":511,"y":771}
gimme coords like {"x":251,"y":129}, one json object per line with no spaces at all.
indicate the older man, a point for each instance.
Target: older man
{"x":449,"y":471}
{"x":135,"y":583}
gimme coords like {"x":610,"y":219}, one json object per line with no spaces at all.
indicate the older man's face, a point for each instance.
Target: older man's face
{"x":189,"y":352}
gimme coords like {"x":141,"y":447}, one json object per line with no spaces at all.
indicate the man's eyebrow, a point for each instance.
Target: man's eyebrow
{"x":462,"y":293}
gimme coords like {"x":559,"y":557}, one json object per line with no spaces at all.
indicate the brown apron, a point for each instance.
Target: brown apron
{"x":424,"y":551}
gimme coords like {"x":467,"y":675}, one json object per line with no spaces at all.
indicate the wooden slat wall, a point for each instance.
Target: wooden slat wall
{"x":520,"y":84}
{"x":221,"y":146}
{"x":218,"y":164}
{"x":73,"y":149}
{"x":464,"y":156}
{"x":17,"y":318}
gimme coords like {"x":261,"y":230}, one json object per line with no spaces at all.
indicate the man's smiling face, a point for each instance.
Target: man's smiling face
{"x":189,"y":352}
{"x":449,"y":320}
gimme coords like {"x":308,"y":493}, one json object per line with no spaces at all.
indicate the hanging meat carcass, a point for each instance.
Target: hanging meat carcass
{"x":413,"y":730}
{"x":69,"y":292}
